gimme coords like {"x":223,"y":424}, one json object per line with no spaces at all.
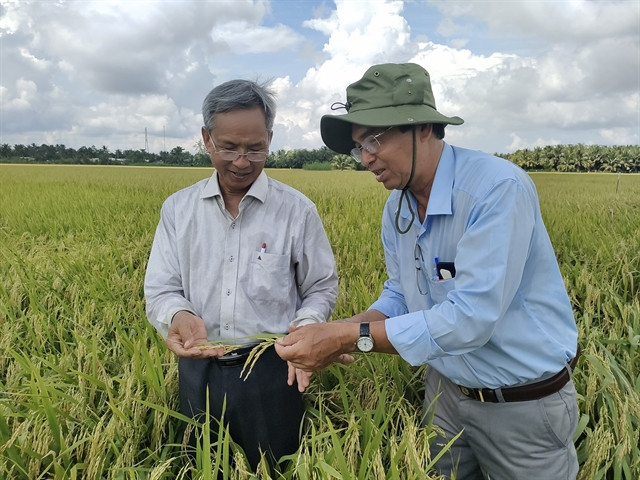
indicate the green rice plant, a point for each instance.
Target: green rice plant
{"x":88,"y":389}
{"x":594,"y":223}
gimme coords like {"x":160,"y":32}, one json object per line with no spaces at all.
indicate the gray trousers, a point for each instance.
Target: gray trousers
{"x":504,"y":441}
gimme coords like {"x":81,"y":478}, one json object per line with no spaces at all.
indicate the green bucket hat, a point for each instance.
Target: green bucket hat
{"x":388,"y":95}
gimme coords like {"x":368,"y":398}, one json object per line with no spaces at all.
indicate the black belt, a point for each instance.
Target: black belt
{"x":235,"y":357}
{"x":523,"y":393}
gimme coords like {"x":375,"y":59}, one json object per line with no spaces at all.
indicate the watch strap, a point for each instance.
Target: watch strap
{"x":365,"y":330}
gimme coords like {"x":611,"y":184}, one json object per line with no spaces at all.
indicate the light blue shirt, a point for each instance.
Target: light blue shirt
{"x":505,"y":318}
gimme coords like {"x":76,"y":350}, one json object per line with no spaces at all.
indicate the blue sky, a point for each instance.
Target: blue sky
{"x":521,"y":73}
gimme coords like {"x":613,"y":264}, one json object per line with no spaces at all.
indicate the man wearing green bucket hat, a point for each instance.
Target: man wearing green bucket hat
{"x":473,"y":290}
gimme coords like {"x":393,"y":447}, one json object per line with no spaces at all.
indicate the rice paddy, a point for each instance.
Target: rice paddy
{"x":89,"y":391}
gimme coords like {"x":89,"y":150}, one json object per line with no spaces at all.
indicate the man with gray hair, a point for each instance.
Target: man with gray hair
{"x":235,"y":256}
{"x":473,"y":289}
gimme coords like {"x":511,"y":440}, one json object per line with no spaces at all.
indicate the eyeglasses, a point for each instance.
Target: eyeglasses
{"x":233,"y":155}
{"x":371,"y":144}
{"x":421,"y":276}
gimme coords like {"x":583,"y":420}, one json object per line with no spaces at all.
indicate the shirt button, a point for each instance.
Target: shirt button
{"x":233,"y":225}
{"x":226,"y":326}
{"x":228,"y":292}
{"x":231,"y":258}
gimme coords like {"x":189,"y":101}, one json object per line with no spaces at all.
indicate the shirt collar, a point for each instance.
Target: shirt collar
{"x":440,"y":198}
{"x":258,"y":190}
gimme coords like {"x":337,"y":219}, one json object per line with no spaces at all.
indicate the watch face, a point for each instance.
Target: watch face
{"x":365,"y":344}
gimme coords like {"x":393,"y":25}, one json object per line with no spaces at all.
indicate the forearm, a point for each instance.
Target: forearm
{"x":367,"y":316}
{"x":349,"y":334}
{"x":315,"y":346}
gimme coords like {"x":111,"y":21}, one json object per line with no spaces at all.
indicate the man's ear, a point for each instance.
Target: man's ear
{"x":425,"y":130}
{"x":428,"y":126}
{"x":205,"y":138}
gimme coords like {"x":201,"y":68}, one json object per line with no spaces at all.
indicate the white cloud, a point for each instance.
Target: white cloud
{"x":572,"y":21}
{"x":26,"y":94}
{"x":519,"y":73}
{"x":12,"y":17}
{"x":520,"y":144}
{"x":359,"y":34}
{"x":243,"y":38}
{"x":363,"y":31}
{"x":619,"y":136}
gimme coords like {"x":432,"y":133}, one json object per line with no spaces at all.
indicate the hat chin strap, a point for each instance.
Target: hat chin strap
{"x":404,"y":195}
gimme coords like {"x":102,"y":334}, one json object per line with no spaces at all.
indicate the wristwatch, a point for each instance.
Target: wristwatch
{"x":365,"y":340}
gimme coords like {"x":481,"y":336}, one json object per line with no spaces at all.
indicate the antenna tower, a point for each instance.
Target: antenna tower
{"x":146,"y":141}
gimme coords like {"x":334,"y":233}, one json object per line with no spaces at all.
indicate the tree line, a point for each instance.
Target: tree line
{"x":578,"y":158}
{"x":559,"y":158}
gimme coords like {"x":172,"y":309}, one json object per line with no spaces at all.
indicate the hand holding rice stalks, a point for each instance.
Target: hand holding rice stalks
{"x":266,"y":341}
{"x":218,"y":344}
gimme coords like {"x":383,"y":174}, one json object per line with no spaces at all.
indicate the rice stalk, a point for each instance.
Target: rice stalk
{"x":88,"y":389}
{"x":256,"y":352}
{"x":266,"y":341}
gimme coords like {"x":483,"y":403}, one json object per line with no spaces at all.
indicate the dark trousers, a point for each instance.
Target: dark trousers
{"x":263,"y":413}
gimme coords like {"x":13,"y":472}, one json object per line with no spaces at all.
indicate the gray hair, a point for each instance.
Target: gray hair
{"x":239,"y":95}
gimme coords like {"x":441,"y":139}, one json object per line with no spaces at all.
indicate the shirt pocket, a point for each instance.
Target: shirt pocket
{"x":270,"y":278}
{"x":439,"y":289}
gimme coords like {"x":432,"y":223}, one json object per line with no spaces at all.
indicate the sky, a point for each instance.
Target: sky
{"x":521,"y":73}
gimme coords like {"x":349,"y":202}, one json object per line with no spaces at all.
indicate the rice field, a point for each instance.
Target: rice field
{"x":88,"y":390}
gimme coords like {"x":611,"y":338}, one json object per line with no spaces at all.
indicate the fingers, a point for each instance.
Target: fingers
{"x":345,"y":359}
{"x":297,"y":348}
{"x":303,"y":378}
{"x":303,"y":365}
{"x":209,"y":352}
{"x":291,"y":374}
{"x":288,"y":340}
{"x":186,"y":332}
{"x":177,"y":347}
{"x":195,"y":334}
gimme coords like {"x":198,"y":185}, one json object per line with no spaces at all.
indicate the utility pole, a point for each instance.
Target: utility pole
{"x":146,"y":141}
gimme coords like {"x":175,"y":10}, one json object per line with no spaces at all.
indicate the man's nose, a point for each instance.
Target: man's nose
{"x":242,"y":160}
{"x":367,"y":158}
